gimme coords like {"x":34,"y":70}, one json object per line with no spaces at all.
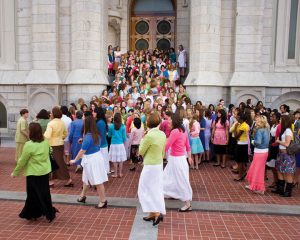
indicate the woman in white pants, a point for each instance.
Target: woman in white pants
{"x":176,"y":173}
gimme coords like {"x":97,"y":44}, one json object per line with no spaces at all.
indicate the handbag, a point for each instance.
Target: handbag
{"x":294,"y":146}
{"x":54,"y":165}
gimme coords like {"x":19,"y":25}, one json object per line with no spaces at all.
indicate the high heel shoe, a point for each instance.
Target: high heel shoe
{"x":159,"y":219}
{"x":81,"y":199}
{"x":296,"y":185}
{"x":103,"y":206}
{"x":149,"y":218}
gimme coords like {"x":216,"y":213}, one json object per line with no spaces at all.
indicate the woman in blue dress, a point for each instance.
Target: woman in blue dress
{"x":76,"y":131}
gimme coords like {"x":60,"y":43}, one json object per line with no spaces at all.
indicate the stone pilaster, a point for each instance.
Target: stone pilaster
{"x":43,"y":81}
{"x":205,"y":22}
{"x":88,"y":49}
{"x":248,"y":47}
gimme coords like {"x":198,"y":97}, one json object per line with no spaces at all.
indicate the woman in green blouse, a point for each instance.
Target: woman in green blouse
{"x":150,"y":190}
{"x":35,"y":165}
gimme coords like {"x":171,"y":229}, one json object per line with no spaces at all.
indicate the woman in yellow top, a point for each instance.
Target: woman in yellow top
{"x":55,"y":133}
{"x":241,"y":133}
{"x":36,"y":166}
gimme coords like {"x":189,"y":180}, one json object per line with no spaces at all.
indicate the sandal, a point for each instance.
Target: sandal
{"x":185,"y":209}
{"x":103,"y":206}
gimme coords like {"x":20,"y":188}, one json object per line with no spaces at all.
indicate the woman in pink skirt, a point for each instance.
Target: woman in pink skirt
{"x":256,"y":173}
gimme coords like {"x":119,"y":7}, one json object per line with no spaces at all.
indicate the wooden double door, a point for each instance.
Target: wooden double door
{"x":150,"y":32}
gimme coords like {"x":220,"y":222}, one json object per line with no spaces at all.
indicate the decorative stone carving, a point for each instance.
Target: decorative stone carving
{"x":115,"y":23}
{"x":292,"y":99}
{"x":40,"y":97}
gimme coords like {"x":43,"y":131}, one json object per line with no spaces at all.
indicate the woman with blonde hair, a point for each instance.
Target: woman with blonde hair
{"x":256,"y":173}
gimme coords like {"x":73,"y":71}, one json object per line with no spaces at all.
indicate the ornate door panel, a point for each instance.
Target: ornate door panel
{"x":151,"y":32}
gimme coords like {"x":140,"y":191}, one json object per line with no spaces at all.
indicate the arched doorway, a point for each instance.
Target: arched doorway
{"x":3,"y":116}
{"x":152,"y":24}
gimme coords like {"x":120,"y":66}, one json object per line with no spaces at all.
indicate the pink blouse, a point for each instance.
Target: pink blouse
{"x":220,"y":133}
{"x":178,"y":142}
{"x":195,"y":129}
{"x":136,"y":136}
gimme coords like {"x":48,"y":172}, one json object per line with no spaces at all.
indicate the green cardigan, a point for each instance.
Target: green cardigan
{"x":34,"y":159}
{"x":152,"y":147}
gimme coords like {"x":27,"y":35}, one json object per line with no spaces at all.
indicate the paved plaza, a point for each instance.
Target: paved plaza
{"x":224,"y":209}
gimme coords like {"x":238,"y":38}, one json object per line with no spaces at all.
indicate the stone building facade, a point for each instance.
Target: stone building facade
{"x":54,"y":51}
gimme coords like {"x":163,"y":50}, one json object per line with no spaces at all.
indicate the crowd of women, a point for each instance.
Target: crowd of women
{"x":146,"y":117}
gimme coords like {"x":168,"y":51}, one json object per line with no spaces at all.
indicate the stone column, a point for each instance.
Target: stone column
{"x":248,"y":49}
{"x":43,"y":82}
{"x":204,"y":76}
{"x":88,"y":49}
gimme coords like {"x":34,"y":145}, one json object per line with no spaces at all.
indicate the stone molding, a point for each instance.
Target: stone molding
{"x":43,"y":77}
{"x":87,"y":76}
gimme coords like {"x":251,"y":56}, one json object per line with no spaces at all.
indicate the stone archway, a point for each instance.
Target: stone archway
{"x":3,"y":115}
{"x":291,"y":99}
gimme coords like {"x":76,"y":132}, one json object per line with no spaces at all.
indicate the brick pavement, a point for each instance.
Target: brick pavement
{"x":223,"y":226}
{"x":73,"y":222}
{"x":208,"y":184}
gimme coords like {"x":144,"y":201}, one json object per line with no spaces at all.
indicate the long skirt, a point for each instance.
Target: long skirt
{"x":176,"y":179}
{"x":104,"y":152}
{"x":117,"y":153}
{"x":256,"y":172}
{"x":38,"y":202}
{"x":94,"y":171}
{"x":62,"y":172}
{"x":150,"y":190}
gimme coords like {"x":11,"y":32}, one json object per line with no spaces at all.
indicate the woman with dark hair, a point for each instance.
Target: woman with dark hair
{"x":211,"y":107}
{"x":273,"y":146}
{"x":94,"y":172}
{"x":36,"y":166}
{"x":102,"y":129}
{"x":176,"y":173}
{"x":220,"y":137}
{"x":284,"y":109}
{"x":84,"y":108}
{"x":241,"y":134}
{"x":76,"y":131}
{"x":136,"y":135}
{"x":285,"y":164}
{"x":43,"y":119}
{"x":55,"y":133}
{"x":117,"y":153}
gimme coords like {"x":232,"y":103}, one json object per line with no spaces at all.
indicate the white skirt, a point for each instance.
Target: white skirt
{"x":104,"y":152}
{"x":176,"y":179}
{"x":94,"y":171}
{"x":150,"y":190}
{"x":117,"y":153}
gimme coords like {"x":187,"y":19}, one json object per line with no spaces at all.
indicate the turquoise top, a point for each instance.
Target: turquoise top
{"x":117,"y":136}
